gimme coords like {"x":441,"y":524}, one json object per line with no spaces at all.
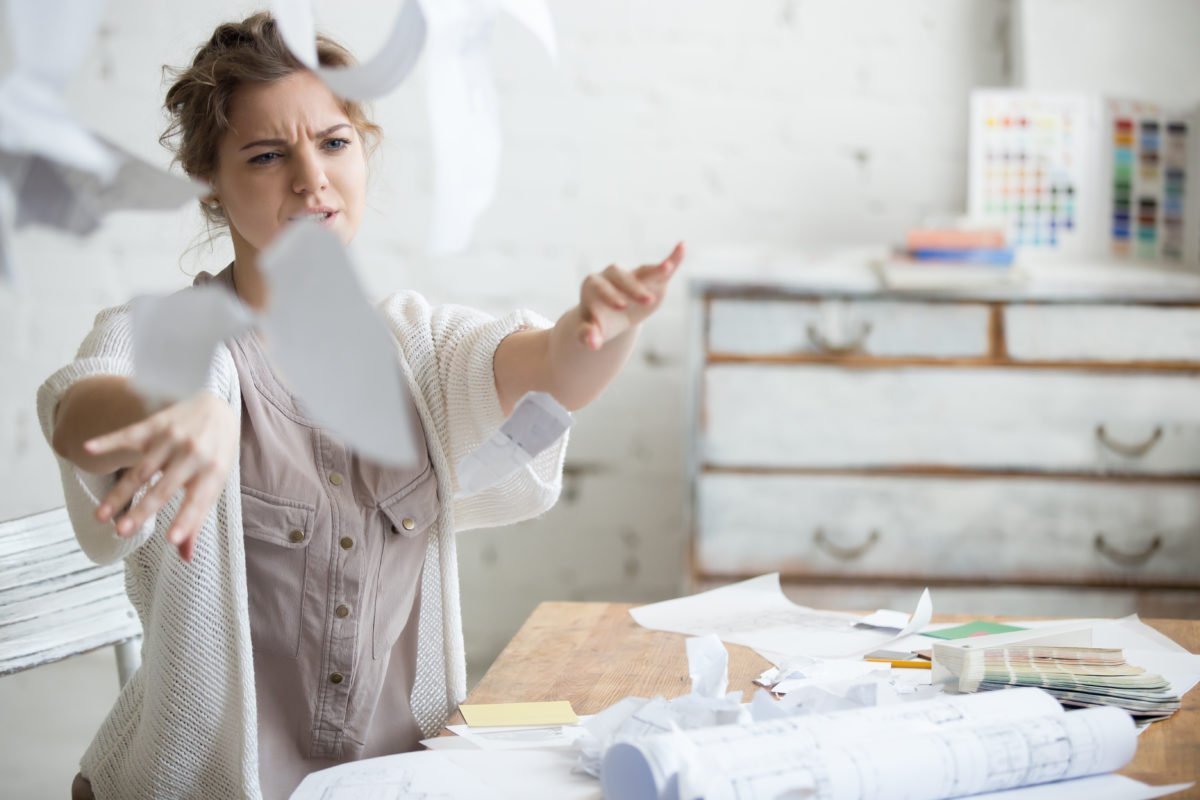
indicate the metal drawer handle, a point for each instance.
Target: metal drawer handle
{"x":1127,"y":559}
{"x":1130,"y":450}
{"x":856,"y":345}
{"x":844,"y":553}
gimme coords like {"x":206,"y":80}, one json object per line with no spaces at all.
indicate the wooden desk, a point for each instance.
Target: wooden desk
{"x":594,"y":654}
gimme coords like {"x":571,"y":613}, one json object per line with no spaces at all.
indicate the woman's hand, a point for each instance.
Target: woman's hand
{"x":193,"y":443}
{"x":615,"y":300}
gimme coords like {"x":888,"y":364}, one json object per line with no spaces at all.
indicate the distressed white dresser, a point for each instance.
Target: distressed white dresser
{"x":1030,"y":449}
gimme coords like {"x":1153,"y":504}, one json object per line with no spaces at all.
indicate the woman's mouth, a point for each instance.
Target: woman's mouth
{"x":318,"y":216}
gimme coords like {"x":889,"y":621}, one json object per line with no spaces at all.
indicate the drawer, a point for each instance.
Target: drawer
{"x":977,"y":529}
{"x":741,"y":326}
{"x":1009,"y":419}
{"x":1102,"y":333}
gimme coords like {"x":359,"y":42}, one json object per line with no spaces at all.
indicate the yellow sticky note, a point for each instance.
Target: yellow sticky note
{"x":496,"y":715}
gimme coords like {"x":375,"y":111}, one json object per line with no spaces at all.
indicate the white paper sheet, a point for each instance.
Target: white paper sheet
{"x":528,"y":774}
{"x":755,"y":613}
{"x":53,"y":171}
{"x":174,"y":337}
{"x":408,"y":775}
{"x":1095,"y":787}
{"x":333,"y":347}
{"x":885,"y":618}
{"x":521,"y":737}
{"x":463,"y":110}
{"x":371,"y":78}
{"x":321,"y":332}
{"x":537,"y":421}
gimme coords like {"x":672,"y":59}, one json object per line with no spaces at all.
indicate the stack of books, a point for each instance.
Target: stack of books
{"x":1076,"y":676}
{"x":949,"y":258}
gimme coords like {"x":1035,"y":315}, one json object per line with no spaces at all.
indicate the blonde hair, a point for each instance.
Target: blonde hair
{"x":239,"y":53}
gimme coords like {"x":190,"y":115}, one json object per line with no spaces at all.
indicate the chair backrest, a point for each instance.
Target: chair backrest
{"x":56,"y":603}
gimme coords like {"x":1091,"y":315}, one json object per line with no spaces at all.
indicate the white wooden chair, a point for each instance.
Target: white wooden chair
{"x":55,"y":603}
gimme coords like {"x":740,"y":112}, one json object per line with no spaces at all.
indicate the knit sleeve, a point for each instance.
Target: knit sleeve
{"x":106,"y":350}
{"x":462,"y":343}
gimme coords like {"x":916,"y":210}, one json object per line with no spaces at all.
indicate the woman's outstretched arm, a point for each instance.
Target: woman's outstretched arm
{"x":577,"y":358}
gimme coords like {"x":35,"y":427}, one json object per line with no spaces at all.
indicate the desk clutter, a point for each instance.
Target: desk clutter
{"x":828,"y":723}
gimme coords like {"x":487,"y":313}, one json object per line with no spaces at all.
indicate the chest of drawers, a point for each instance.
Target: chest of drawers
{"x":1031,"y":449}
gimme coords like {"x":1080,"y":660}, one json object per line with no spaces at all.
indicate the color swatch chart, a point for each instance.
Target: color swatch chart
{"x":1029,"y":156}
{"x":1149,"y":176}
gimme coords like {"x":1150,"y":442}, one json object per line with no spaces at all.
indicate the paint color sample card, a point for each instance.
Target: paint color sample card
{"x":1030,"y":160}
{"x":1086,"y":176}
{"x":977,"y":628}
{"x":495,"y":715}
{"x":1151,"y":162}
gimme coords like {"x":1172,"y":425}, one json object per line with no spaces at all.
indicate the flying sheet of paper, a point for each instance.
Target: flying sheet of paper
{"x":328,"y":342}
{"x":756,"y":614}
{"x":174,"y":337}
{"x":332,"y":346}
{"x":408,"y":775}
{"x":536,"y":422}
{"x":496,"y":715}
{"x":463,"y":110}
{"x":372,"y":78}
{"x":53,"y":171}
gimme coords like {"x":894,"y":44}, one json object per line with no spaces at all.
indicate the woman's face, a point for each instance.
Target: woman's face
{"x":290,"y":152}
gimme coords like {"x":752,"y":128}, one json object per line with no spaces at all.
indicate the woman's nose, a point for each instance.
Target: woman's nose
{"x":309,"y":177}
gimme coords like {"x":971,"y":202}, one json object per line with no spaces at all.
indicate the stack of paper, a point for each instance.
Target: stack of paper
{"x":1076,"y":676}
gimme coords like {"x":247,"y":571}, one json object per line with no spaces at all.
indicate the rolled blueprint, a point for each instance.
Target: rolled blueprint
{"x":944,"y":747}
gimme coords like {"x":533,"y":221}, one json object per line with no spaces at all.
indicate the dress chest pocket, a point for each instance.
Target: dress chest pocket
{"x":407,"y":516}
{"x":277,"y":534}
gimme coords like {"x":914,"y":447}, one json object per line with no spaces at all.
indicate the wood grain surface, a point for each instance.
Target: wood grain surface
{"x":594,"y":654}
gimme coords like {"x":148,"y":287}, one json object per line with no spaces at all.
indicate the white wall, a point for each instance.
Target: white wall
{"x":780,"y":123}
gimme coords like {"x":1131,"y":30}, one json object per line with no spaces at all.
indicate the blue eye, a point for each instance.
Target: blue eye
{"x":337,"y":144}
{"x":264,"y":158}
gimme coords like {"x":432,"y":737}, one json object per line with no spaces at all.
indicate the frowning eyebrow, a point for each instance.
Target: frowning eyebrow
{"x":281,"y":142}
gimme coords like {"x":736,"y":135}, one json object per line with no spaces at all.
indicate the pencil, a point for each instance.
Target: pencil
{"x":903,"y":664}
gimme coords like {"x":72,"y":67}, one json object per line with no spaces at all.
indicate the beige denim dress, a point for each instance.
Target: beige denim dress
{"x":335,"y":545}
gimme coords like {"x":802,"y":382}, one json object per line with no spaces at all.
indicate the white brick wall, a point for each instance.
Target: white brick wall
{"x":782,"y":123}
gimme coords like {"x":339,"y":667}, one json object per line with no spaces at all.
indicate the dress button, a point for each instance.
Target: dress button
{"x":335,"y":478}
{"x":296,"y":535}
{"x":337,"y":677}
{"x":408,"y":524}
{"x":342,"y":611}
{"x":346,"y":543}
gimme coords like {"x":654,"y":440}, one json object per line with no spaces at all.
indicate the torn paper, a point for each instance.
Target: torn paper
{"x":636,"y":718}
{"x":329,"y":344}
{"x":369,"y":79}
{"x":463,"y":110}
{"x":333,"y":348}
{"x":174,"y":338}
{"x":537,"y":421}
{"x":53,"y":171}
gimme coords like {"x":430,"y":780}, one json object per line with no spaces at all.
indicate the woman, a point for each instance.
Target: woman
{"x":314,"y":615}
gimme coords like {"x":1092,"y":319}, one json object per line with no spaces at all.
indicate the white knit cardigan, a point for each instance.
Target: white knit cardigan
{"x":185,"y":723}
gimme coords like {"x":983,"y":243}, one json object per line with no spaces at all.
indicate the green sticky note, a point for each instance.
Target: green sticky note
{"x":976,"y":628}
